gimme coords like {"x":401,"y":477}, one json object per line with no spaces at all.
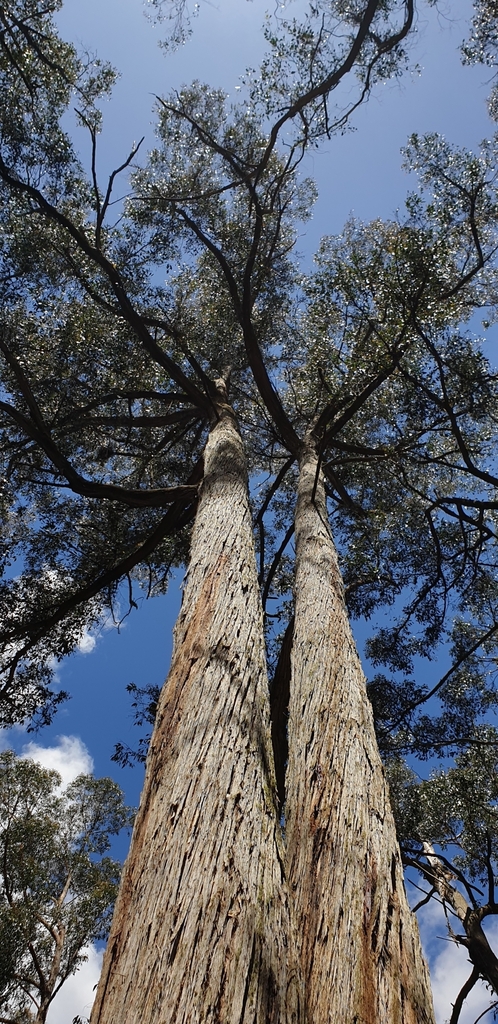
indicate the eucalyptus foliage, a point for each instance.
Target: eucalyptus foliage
{"x":106,"y":372}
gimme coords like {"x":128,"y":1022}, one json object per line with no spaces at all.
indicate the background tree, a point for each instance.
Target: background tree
{"x":447,"y":830}
{"x":57,"y":885}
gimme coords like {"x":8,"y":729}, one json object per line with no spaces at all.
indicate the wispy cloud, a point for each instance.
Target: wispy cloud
{"x":87,"y":642}
{"x":89,"y":637}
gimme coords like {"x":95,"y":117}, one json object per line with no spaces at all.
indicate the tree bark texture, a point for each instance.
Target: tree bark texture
{"x":201,"y":930}
{"x":360,"y":950}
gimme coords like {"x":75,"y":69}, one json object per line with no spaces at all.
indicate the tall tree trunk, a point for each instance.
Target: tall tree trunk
{"x":361,"y":956}
{"x":201,"y":929}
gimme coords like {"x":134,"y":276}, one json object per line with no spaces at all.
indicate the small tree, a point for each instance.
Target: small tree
{"x":57,"y":889}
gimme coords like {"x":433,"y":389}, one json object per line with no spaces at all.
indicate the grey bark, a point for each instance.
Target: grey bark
{"x":201,"y":930}
{"x":360,"y":950}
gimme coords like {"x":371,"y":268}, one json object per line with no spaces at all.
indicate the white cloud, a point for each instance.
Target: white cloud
{"x":70,"y":757}
{"x":88,"y":639}
{"x":86,"y":643}
{"x":78,"y":992}
{"x":450,"y":967}
{"x":448,"y":973}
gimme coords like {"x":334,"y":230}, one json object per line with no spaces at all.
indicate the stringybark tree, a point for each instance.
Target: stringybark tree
{"x":108,"y":396}
{"x":205,"y":875}
{"x":360,"y":949}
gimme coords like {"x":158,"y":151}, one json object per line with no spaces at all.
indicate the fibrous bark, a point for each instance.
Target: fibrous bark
{"x":360,"y":950}
{"x":201,"y":930}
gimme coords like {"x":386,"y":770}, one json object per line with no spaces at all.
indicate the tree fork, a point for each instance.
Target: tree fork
{"x":360,"y":949}
{"x":201,"y":930}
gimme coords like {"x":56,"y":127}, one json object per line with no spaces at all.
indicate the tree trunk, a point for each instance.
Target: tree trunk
{"x":360,"y":954}
{"x":201,"y":930}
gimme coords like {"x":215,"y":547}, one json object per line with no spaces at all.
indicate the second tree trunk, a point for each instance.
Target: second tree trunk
{"x":361,"y":956}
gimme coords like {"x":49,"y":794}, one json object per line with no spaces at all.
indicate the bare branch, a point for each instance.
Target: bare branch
{"x":462,"y":995}
{"x":275,"y":564}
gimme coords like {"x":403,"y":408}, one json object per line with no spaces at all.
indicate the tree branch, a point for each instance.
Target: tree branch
{"x":176,"y":517}
{"x":462,"y":995}
{"x":129,"y":313}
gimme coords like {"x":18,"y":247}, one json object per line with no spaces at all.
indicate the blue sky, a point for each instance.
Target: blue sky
{"x":358,"y":173}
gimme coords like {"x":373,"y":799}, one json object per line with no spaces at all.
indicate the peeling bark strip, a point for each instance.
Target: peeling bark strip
{"x":201,"y":929}
{"x":361,"y":956}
